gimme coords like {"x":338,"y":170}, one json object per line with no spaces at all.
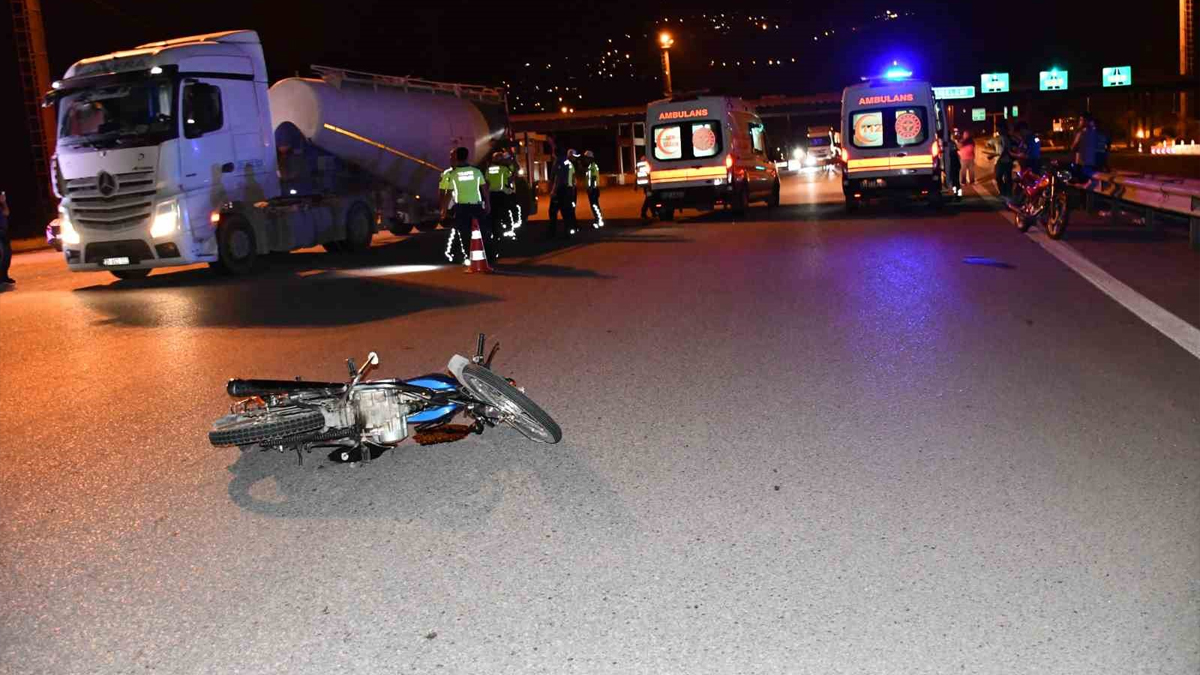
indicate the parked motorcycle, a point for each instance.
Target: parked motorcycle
{"x":1042,"y":198}
{"x":362,"y":418}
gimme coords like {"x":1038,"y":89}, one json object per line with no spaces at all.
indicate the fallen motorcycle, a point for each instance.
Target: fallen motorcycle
{"x":362,"y":418}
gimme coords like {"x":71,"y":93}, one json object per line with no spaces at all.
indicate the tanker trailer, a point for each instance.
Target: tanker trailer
{"x":397,"y":130}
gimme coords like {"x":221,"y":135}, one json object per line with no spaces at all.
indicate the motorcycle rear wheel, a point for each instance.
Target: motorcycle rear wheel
{"x":520,"y":412}
{"x":1023,"y":223}
{"x":238,"y":429}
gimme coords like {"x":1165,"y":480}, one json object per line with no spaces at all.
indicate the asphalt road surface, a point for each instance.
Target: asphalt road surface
{"x":799,"y":443}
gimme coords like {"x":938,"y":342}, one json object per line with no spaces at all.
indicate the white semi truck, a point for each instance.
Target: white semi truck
{"x":176,"y":153}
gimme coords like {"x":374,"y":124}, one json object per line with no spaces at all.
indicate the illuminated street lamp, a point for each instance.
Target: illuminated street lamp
{"x":664,"y":42}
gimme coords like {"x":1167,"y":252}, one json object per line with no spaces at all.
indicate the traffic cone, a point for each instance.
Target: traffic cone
{"x":479,"y":261}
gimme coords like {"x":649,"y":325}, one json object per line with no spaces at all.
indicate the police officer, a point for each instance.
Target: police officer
{"x":591,"y":173}
{"x":467,"y":186}
{"x":563,"y":200}
{"x":643,"y":184}
{"x":500,"y":189}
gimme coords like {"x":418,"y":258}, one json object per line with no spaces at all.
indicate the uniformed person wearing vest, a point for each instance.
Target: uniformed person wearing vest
{"x":591,"y":173}
{"x":501,"y":190}
{"x":467,"y":186}
{"x":563,"y":200}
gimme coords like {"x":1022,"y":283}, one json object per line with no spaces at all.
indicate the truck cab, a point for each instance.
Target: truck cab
{"x":708,"y":150}
{"x":167,"y":156}
{"x":151,"y":142}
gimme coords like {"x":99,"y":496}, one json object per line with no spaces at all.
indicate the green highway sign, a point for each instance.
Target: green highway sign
{"x":954,"y":92}
{"x":993,"y":83}
{"x":978,"y":114}
{"x":1052,"y":80}
{"x":1117,"y":76}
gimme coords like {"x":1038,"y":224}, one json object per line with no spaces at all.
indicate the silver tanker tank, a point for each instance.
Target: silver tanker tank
{"x":399,"y":130}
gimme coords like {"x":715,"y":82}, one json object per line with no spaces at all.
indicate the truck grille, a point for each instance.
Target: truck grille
{"x":129,"y":206}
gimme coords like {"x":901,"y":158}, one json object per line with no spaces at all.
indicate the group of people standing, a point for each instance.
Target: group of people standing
{"x":487,"y":197}
{"x":1021,"y":149}
{"x":564,"y":190}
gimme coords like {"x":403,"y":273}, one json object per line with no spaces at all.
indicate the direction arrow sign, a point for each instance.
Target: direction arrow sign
{"x":967,"y":91}
{"x":1052,"y":80}
{"x":993,"y":83}
{"x":1117,"y":76}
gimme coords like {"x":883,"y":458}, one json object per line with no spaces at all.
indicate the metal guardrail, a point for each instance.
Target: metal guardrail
{"x":1177,"y":196}
{"x":474,"y":92}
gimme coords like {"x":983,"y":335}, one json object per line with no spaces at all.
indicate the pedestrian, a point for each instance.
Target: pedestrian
{"x":563,"y":199}
{"x":966,"y":157}
{"x":1086,"y":147}
{"x":1002,"y":152}
{"x":1030,"y":148}
{"x":592,"y":175}
{"x":5,"y":242}
{"x":468,"y":189}
{"x":954,"y":169}
{"x":500,"y":190}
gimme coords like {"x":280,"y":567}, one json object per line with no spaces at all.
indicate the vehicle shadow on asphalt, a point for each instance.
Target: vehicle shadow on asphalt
{"x":833,"y":211}
{"x":449,"y":487}
{"x":286,"y":302}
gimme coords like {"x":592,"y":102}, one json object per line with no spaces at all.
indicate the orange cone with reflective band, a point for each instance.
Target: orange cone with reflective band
{"x":479,"y":261}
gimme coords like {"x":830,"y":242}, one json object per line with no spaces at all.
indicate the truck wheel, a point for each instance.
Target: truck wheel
{"x":237,"y":247}
{"x":666,"y":214}
{"x":427,"y":227}
{"x":358,"y":230}
{"x":130,"y":275}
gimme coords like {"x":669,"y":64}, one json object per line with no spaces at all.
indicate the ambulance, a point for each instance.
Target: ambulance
{"x":708,"y":150}
{"x":891,"y":131}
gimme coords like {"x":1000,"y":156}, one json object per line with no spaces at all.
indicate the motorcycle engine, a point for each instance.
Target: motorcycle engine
{"x":382,"y":414}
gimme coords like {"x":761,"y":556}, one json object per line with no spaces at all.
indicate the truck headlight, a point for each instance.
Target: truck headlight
{"x":66,"y":230}
{"x":166,"y":219}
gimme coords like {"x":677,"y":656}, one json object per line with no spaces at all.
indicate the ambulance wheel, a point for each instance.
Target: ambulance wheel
{"x":741,"y":201}
{"x":773,"y":200}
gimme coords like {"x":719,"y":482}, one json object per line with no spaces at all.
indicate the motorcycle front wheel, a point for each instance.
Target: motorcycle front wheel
{"x":517,"y":409}
{"x":1056,"y":223}
{"x":258,"y":426}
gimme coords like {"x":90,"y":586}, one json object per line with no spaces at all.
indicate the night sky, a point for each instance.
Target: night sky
{"x":491,"y":43}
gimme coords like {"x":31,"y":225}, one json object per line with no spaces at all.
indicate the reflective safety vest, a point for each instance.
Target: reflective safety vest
{"x":499,"y":178}
{"x":465,"y":183}
{"x":593,"y":175}
{"x":564,"y":174}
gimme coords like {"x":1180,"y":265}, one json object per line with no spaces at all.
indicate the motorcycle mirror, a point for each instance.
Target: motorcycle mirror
{"x":373,"y":359}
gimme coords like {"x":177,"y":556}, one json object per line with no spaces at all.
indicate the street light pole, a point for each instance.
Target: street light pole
{"x":664,"y":42}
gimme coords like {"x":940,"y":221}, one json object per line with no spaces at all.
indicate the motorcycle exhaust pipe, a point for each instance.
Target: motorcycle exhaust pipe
{"x":245,"y":388}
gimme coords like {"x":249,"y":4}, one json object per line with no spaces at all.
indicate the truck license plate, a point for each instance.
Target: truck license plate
{"x":874,"y":183}
{"x":675,"y":194}
{"x":115,"y":261}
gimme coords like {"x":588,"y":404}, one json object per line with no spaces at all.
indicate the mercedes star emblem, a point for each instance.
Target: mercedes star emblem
{"x":106,"y":184}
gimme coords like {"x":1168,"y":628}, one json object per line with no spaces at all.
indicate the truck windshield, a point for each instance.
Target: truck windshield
{"x":140,"y":113}
{"x":817,"y":141}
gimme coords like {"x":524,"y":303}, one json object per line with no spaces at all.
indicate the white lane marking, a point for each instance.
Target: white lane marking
{"x":1179,"y":331}
{"x":1183,"y":333}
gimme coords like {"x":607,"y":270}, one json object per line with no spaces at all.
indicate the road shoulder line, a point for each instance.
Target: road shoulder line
{"x":1179,"y":331}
